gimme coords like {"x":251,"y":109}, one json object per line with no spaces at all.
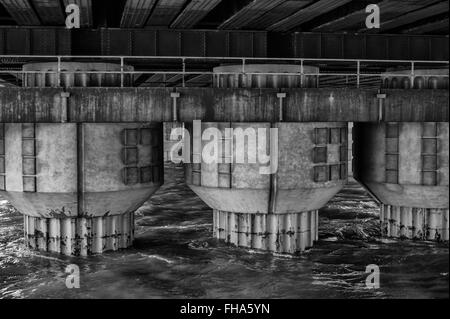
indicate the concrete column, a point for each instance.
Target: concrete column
{"x":249,"y":80}
{"x":170,"y":142}
{"x":78,"y":184}
{"x":257,"y":209}
{"x":405,"y":166}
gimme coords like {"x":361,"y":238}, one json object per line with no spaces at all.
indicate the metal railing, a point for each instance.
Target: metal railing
{"x":182,"y":69}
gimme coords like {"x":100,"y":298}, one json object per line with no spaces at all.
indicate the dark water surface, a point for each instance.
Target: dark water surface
{"x":175,"y":256}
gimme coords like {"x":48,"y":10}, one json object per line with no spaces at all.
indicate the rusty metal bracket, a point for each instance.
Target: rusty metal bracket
{"x":381,"y":97}
{"x":174,"y":96}
{"x":64,"y":105}
{"x":280,"y":97}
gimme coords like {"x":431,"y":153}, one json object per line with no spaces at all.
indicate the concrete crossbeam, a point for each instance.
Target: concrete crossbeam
{"x":214,"y":104}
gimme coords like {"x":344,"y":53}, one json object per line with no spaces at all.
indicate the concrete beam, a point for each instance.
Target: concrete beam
{"x":307,"y":14}
{"x":21,"y":11}
{"x":133,"y":42}
{"x":195,"y":11}
{"x":86,"y":17}
{"x":136,"y":13}
{"x":278,"y":13}
{"x":430,"y":27}
{"x":410,"y":17}
{"x":248,"y":13}
{"x":389,"y":9}
{"x":165,"y":12}
{"x":358,"y":46}
{"x":50,"y":12}
{"x":223,"y":105}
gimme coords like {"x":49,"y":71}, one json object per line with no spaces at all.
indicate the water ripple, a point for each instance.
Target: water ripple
{"x":175,"y":256}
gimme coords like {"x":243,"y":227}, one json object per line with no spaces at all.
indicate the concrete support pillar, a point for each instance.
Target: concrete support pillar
{"x":79,"y":236}
{"x":283,"y":233}
{"x":275,"y":212}
{"x":414,"y":222}
{"x":274,"y":209}
{"x":78,"y":184}
{"x":170,"y":142}
{"x":406,"y":167}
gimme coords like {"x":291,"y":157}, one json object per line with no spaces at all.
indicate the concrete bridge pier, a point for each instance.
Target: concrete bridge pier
{"x":78,"y":184}
{"x":275,"y":211}
{"x":405,"y":165}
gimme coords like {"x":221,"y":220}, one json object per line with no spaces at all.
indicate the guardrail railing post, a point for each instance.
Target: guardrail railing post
{"x":58,"y":75}
{"x":280,"y":96}
{"x":380,"y":97}
{"x":361,"y":75}
{"x":244,"y":76}
{"x":121,"y":72}
{"x":174,"y":96}
{"x":301,"y":73}
{"x":358,"y":68}
{"x":184,"y":71}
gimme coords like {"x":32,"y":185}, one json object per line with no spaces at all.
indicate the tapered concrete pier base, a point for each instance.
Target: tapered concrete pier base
{"x":79,"y":236}
{"x":273,"y":212}
{"x":78,"y":184}
{"x":405,"y":166}
{"x":280,"y":233}
{"x":270,"y":202}
{"x":415,"y":223}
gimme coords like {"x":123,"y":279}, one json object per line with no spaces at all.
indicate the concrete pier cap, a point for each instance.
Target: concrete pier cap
{"x":251,"y":78}
{"x":45,"y":74}
{"x":405,"y":165}
{"x":78,"y":184}
{"x":275,"y":212}
{"x":422,"y":79}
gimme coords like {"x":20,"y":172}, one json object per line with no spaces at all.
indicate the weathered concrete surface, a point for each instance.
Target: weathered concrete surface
{"x":216,"y":104}
{"x":255,"y":80}
{"x":415,"y":223}
{"x":304,"y":182}
{"x":169,"y":142}
{"x":47,"y":74}
{"x":394,"y":164}
{"x":406,"y":166}
{"x":273,"y":212}
{"x":286,"y":233}
{"x":423,"y":79}
{"x":82,"y":171}
{"x":77,"y":184}
{"x":79,"y":236}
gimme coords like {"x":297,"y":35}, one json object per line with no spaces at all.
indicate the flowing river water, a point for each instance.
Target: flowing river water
{"x":175,"y":256}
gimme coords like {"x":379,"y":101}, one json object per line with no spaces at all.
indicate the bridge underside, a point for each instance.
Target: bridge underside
{"x":81,"y":113}
{"x":77,"y":160}
{"x":221,"y":43}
